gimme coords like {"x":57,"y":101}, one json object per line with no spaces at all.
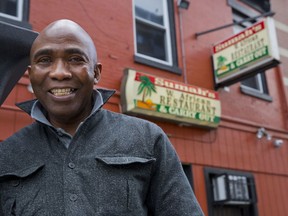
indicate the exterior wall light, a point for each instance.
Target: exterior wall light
{"x":262,"y":132}
{"x":277,"y":143}
{"x":184,"y":4}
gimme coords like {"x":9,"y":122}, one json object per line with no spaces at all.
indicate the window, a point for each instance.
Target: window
{"x":230,"y":192}
{"x":15,"y":12}
{"x":188,"y":172}
{"x":154,"y":34}
{"x":11,"y":9}
{"x":230,"y":189}
{"x":255,"y":86}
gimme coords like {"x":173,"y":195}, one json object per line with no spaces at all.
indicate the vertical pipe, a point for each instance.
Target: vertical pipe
{"x":182,"y":47}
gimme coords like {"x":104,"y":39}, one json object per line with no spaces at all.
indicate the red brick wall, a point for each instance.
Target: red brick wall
{"x":231,"y":146}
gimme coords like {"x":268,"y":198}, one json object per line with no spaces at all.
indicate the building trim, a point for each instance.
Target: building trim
{"x":281,"y":26}
{"x":285,"y":81}
{"x":283,"y":52}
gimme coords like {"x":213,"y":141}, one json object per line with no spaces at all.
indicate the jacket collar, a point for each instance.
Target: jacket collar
{"x":26,"y":106}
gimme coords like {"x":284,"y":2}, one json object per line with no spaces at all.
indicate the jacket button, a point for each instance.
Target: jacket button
{"x":73,"y":197}
{"x":71,"y":165}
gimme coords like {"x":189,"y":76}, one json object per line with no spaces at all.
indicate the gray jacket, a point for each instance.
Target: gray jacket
{"x":115,"y":165}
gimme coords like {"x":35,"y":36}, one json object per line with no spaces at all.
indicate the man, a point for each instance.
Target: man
{"x":77,"y":158}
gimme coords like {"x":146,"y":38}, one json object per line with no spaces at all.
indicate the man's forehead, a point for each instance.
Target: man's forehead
{"x":61,"y":31}
{"x":57,"y":42}
{"x":63,"y":35}
{"x":50,"y":51}
{"x":66,"y":33}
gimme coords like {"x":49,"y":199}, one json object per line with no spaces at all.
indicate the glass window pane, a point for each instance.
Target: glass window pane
{"x":252,"y":82}
{"x":9,"y":7}
{"x":151,"y":10}
{"x":150,"y":41}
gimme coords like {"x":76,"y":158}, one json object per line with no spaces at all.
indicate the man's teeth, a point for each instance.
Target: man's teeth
{"x":62,"y":92}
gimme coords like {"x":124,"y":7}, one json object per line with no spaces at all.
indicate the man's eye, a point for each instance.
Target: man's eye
{"x":44,"y":60}
{"x":76,"y":59}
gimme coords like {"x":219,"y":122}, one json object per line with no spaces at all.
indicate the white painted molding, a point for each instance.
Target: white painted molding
{"x":285,"y":81}
{"x":283,"y":52}
{"x":281,"y":26}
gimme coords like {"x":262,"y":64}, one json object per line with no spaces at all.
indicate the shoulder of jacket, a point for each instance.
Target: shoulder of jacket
{"x":23,"y":134}
{"x":20,"y":151}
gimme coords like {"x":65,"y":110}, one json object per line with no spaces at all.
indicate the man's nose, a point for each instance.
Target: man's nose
{"x":60,"y":71}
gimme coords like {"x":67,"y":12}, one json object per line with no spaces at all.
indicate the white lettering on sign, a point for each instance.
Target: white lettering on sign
{"x":180,"y":87}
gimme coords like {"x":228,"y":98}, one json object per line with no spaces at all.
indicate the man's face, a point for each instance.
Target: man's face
{"x":62,"y":74}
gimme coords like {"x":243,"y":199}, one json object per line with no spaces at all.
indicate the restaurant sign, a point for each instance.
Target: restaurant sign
{"x":144,"y":94}
{"x":249,"y":52}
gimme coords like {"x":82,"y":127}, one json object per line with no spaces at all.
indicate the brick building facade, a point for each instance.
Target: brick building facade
{"x":255,"y":169}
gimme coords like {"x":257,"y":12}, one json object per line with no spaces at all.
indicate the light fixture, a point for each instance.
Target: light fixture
{"x":278,"y":142}
{"x":184,"y":4}
{"x":261,"y":132}
{"x":268,"y":136}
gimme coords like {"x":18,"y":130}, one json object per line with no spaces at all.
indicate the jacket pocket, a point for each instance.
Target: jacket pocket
{"x":125,"y":160}
{"x":123,"y":183}
{"x":11,"y":186}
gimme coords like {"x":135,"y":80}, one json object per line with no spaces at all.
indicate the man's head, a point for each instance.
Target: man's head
{"x":63,"y":71}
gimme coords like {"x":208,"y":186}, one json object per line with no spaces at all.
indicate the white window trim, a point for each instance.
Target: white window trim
{"x":259,"y":83}
{"x":167,"y":33}
{"x":19,"y":16}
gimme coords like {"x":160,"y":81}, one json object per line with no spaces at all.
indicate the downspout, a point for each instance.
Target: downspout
{"x":182,"y":47}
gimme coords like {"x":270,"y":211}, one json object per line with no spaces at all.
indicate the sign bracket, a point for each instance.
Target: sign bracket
{"x":270,"y":13}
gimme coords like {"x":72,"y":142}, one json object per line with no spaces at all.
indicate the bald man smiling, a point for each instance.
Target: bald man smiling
{"x":77,"y":158}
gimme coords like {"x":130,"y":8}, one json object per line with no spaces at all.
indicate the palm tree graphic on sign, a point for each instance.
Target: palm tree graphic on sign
{"x":221,"y":63}
{"x":146,"y":88}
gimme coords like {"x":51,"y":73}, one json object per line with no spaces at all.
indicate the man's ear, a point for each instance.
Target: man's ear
{"x":30,"y":89}
{"x":29,"y":69}
{"x":97,"y":72}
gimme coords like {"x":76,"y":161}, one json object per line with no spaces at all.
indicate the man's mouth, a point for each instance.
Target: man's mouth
{"x":62,"y":91}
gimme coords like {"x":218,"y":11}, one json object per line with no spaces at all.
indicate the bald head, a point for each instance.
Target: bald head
{"x":63,"y":72}
{"x":62,"y":31}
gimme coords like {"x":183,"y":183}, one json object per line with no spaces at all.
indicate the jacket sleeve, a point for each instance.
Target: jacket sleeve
{"x":170,"y":192}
